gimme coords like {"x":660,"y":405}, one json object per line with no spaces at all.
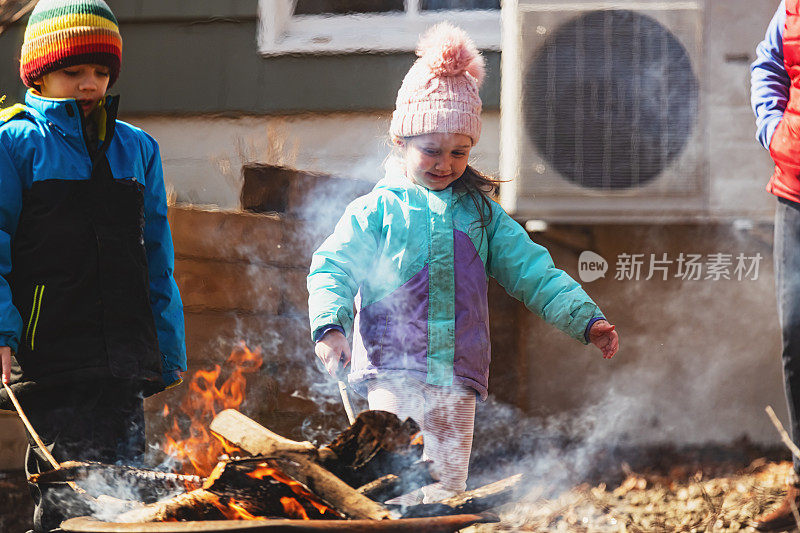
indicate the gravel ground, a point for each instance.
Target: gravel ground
{"x":680,"y":500}
{"x":693,"y":494}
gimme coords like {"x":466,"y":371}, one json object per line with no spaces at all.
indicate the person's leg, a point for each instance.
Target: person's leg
{"x":404,"y":398}
{"x":786,"y":253}
{"x":53,"y":417}
{"x":118,"y":426}
{"x":98,"y":422}
{"x":787,"y":286}
{"x":447,"y":430}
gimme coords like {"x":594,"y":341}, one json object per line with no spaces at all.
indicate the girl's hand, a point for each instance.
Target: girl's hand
{"x":331,"y":349}
{"x":5,"y":358}
{"x":604,"y":337}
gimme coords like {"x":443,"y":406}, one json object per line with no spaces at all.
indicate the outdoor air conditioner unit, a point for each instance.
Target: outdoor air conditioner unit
{"x":601,"y":111}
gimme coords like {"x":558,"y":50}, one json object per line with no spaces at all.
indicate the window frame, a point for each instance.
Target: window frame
{"x":280,"y":32}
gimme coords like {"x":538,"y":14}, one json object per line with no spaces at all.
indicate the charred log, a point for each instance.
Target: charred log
{"x":198,"y":504}
{"x":377,"y":444}
{"x":474,"y":501}
{"x":263,"y":489}
{"x":392,"y":485}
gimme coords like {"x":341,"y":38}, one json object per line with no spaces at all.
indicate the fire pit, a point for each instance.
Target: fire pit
{"x":437,"y":524}
{"x":339,"y":487}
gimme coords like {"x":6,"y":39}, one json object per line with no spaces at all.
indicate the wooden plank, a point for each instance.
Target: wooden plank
{"x":439,"y":524}
{"x":215,"y":285}
{"x":12,"y":441}
{"x":230,"y":236}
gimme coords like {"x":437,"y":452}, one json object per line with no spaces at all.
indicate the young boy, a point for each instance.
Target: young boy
{"x":91,"y":320}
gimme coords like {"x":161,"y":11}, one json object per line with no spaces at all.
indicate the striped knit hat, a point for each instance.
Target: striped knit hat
{"x":440,"y":92}
{"x":64,"y":33}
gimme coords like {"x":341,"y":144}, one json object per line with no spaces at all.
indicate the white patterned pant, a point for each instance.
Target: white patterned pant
{"x":447,"y":418}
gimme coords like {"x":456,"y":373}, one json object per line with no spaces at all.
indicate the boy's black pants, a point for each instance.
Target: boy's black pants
{"x":87,"y":422}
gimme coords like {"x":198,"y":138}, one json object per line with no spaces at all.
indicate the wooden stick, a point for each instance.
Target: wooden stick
{"x":52,"y":460}
{"x":784,"y":435}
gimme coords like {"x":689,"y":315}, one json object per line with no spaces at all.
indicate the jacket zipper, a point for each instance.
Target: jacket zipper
{"x":33,"y":321}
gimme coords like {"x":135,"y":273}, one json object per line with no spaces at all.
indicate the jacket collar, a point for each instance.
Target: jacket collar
{"x":65,"y":114}
{"x":395,"y":178}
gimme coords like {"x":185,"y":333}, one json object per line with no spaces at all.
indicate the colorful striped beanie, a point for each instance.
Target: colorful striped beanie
{"x":64,"y":33}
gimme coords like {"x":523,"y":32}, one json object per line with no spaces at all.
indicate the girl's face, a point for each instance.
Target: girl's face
{"x":436,"y":160}
{"x":85,"y":83}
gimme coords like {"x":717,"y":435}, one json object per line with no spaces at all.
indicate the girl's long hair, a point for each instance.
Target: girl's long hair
{"x":481,"y":190}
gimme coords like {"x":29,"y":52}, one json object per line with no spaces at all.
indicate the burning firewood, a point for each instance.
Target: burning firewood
{"x":474,"y":501}
{"x":377,"y":444}
{"x":120,"y":481}
{"x":249,"y":489}
{"x":257,"y":440}
{"x":392,"y":485}
{"x":198,"y":504}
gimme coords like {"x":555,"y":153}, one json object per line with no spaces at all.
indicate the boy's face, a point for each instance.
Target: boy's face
{"x":85,"y":83}
{"x":436,"y":160}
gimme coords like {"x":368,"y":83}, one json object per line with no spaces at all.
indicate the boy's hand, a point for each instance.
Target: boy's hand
{"x":332,"y":348}
{"x":604,"y":337}
{"x":5,"y":357}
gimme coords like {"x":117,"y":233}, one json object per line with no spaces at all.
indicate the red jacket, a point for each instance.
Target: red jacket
{"x":785,"y":144}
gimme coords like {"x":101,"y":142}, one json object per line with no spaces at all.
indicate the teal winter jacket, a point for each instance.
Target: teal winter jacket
{"x":419,"y":262}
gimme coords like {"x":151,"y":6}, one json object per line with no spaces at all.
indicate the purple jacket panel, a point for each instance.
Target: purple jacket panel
{"x":473,"y":350}
{"x":392,"y":333}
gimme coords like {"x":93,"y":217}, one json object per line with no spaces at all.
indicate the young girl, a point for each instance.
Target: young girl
{"x":418,"y":251}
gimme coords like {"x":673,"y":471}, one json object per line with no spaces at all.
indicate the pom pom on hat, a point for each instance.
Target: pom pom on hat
{"x":440,"y":92}
{"x":448,"y":51}
{"x":64,"y":33}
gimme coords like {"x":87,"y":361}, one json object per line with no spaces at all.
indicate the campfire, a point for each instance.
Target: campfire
{"x":239,"y":472}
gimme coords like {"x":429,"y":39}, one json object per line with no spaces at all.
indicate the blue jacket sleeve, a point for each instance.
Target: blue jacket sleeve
{"x":769,"y":81}
{"x":165,"y":299}
{"x":339,"y":266}
{"x":10,"y":208}
{"x":526,"y":270}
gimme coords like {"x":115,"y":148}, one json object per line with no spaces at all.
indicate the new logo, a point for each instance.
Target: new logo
{"x":591,"y":266}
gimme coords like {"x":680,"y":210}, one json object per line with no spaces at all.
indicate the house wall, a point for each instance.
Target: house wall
{"x":204,"y":167}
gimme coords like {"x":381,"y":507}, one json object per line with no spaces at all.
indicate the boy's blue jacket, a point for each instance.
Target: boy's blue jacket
{"x":421,"y":262}
{"x":43,"y":144}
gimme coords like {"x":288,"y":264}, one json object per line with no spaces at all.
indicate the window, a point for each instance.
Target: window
{"x":342,"y":26}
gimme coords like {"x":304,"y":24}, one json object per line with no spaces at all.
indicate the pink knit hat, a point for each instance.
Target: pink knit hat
{"x":440,"y":92}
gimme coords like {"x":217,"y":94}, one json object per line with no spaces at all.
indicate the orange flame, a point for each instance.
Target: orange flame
{"x":293,"y":508}
{"x":264,"y":470}
{"x":235,"y":511}
{"x":202,"y":402}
